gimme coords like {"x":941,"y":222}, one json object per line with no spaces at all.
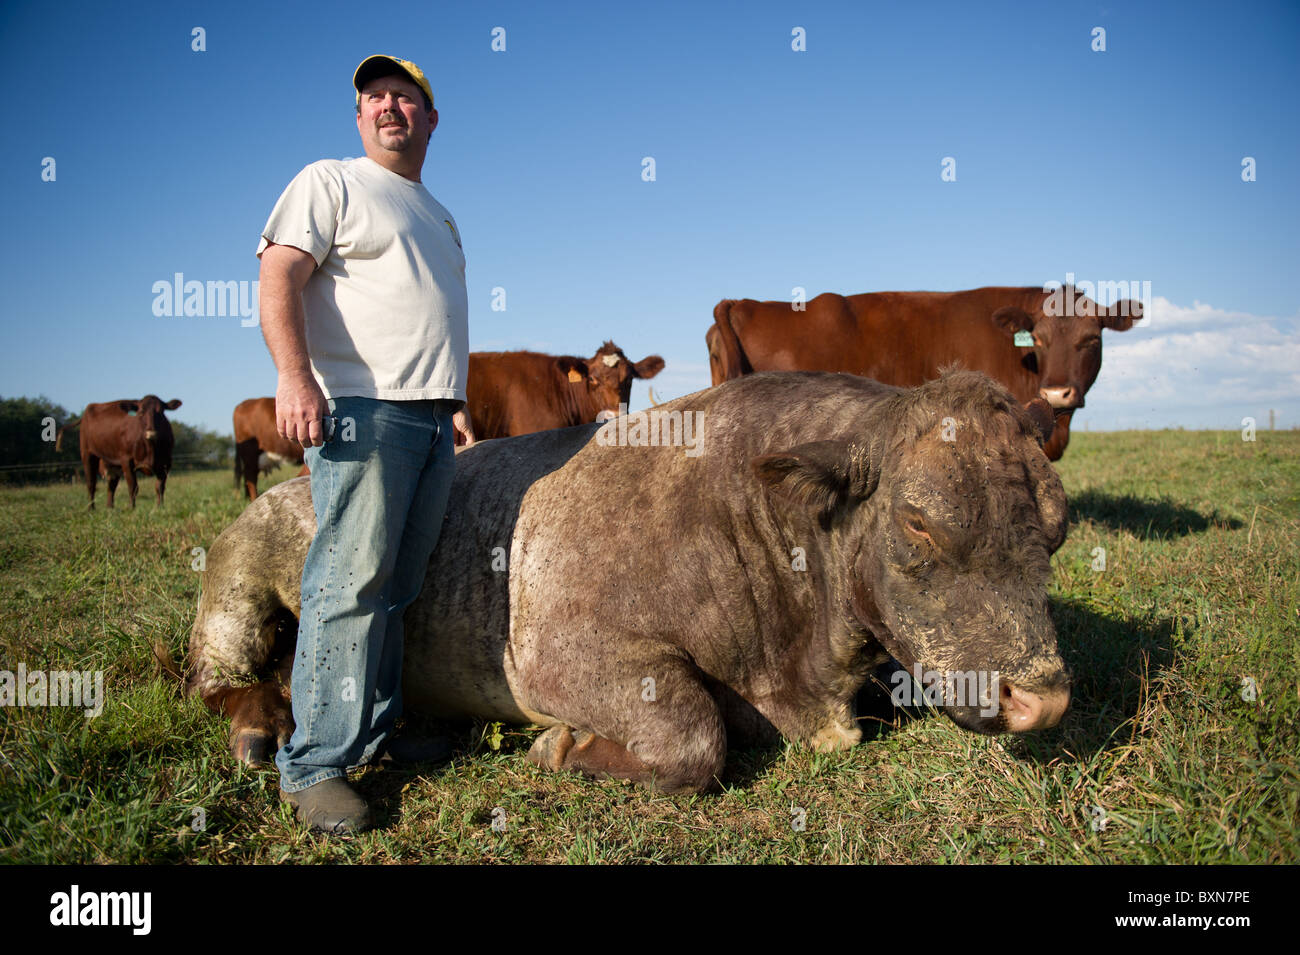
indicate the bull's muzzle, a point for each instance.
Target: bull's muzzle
{"x":150,"y":435}
{"x":1024,"y":710}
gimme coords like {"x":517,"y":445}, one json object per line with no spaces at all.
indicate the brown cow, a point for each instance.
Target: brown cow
{"x":121,"y":437}
{"x":904,"y":338}
{"x":519,"y":392}
{"x":258,"y":445}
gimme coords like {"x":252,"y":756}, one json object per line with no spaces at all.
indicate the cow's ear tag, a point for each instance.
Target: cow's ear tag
{"x":1024,"y":339}
{"x":574,"y":376}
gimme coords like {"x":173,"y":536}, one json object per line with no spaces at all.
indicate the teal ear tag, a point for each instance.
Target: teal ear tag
{"x":1024,"y":339}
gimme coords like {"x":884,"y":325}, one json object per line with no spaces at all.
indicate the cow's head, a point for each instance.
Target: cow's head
{"x":946,"y":512}
{"x":1066,"y":351}
{"x":607,"y":377}
{"x":151,"y":412}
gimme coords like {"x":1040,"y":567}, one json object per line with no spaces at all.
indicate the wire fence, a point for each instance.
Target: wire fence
{"x":75,"y":465}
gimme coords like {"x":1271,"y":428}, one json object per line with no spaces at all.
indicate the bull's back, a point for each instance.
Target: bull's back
{"x":457,"y":631}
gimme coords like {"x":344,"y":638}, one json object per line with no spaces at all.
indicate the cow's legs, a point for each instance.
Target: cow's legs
{"x":111,"y":485}
{"x":162,"y":486}
{"x":246,"y":459}
{"x":653,"y":723}
{"x":132,"y":485}
{"x":91,"y":465}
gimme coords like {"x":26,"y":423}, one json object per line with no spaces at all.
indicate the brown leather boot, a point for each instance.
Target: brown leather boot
{"x":330,"y":806}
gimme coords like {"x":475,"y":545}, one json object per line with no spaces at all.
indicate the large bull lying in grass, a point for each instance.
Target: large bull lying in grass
{"x":662,"y":601}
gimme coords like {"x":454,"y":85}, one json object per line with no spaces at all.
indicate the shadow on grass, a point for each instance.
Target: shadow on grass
{"x":1109,"y":658}
{"x":1142,"y":517}
{"x":383,"y":786}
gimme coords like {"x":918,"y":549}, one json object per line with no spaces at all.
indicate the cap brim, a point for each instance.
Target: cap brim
{"x":373,"y":66}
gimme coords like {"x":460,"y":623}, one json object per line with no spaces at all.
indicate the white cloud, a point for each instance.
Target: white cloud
{"x":1197,"y":366}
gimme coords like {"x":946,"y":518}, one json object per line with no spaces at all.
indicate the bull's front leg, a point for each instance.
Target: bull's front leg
{"x":643,"y":714}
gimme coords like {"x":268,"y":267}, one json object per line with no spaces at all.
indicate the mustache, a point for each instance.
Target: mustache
{"x":390,"y":118}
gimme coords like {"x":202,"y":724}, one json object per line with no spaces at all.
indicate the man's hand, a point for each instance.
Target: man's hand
{"x":463,"y":427}
{"x":300,"y":410}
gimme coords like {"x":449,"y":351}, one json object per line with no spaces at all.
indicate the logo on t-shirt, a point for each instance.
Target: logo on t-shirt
{"x":454,"y":235}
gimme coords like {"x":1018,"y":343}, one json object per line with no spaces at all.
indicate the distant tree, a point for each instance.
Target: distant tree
{"x":24,"y":429}
{"x":208,"y":447}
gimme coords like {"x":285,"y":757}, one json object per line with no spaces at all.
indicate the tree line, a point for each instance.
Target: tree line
{"x":27,"y":454}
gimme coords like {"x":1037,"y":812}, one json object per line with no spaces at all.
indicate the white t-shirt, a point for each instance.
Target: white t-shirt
{"x":387,"y":314}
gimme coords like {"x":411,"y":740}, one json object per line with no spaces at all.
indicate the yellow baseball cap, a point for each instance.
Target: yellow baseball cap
{"x":380,"y":65}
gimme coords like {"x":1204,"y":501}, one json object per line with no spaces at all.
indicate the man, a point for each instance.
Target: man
{"x":364,"y":310}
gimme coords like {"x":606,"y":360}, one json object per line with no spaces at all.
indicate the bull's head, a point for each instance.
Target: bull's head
{"x":1066,"y":351}
{"x":945,"y":514}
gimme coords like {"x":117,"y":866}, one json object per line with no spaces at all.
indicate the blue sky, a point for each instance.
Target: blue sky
{"x":774,"y":169}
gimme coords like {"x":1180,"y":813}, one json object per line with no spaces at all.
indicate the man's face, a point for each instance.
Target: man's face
{"x":393,"y":116}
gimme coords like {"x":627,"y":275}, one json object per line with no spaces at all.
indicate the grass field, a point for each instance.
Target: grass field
{"x":1163,"y":757}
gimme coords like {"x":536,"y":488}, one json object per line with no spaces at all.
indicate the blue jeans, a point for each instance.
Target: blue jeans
{"x":379,"y":487}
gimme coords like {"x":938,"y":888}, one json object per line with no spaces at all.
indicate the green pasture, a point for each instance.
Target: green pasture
{"x":1182,"y":743}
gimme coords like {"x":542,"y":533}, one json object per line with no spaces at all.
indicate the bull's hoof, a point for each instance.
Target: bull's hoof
{"x":549,"y":749}
{"x":253,"y":748}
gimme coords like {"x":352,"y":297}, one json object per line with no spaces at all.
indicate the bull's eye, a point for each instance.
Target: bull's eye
{"x":916,"y":527}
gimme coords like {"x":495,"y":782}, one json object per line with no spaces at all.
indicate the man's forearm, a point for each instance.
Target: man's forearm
{"x":283,"y":320}
{"x":300,"y":405}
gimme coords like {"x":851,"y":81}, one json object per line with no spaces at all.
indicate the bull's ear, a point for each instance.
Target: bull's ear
{"x":173,"y":404}
{"x":130,"y":407}
{"x":1049,"y":494}
{"x":648,"y":367}
{"x":574,"y":369}
{"x":1011,"y":319}
{"x":1120,"y":316}
{"x":1043,"y":417}
{"x":821,"y":474}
